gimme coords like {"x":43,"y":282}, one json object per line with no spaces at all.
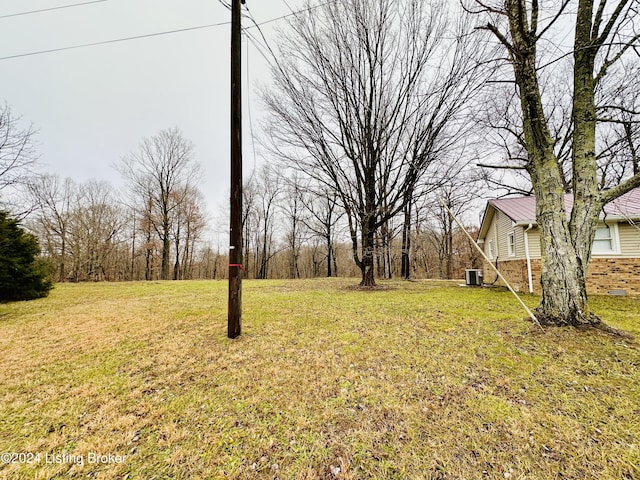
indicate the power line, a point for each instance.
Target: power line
{"x":52,"y":8}
{"x":266,"y":43}
{"x":257,"y":25}
{"x":313,"y":7}
{"x":256,"y":43}
{"x":149,"y":35}
{"x":288,"y":6}
{"x":116,"y":40}
{"x":253,"y":137}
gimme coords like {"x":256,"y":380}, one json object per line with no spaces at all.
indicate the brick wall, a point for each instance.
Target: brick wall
{"x":604,"y":275}
{"x":607,"y":274}
{"x":515,"y":271}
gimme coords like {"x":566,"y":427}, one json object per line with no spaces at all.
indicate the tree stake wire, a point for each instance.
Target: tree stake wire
{"x":527,"y":309}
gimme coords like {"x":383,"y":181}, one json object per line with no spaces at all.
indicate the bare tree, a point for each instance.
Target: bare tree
{"x":366,"y":93}
{"x":605,"y":36}
{"x":385,"y":257}
{"x":188,"y":226}
{"x":79,"y":226}
{"x":17,"y":153}
{"x":618,"y":135}
{"x":269,"y":190}
{"x":458,"y":196}
{"x":96,"y":223}
{"x":293,"y":210}
{"x":250,"y":224}
{"x":324,"y":212}
{"x":150,"y":246}
{"x":53,"y":198}
{"x":158,"y":174}
{"x":405,"y":254}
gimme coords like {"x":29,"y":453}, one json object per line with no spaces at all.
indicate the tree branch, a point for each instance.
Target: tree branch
{"x":534,"y":17}
{"x":615,"y":120}
{"x":485,"y":8}
{"x":620,"y":189}
{"x":598,"y":18}
{"x":505,"y":167}
{"x":554,"y":19}
{"x":499,"y":35}
{"x":607,"y":63}
{"x":618,"y":107}
{"x":610,"y":24}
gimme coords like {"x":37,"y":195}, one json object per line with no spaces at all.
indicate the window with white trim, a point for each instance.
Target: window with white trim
{"x":490,"y":251}
{"x":605,"y":240}
{"x":511,"y":244}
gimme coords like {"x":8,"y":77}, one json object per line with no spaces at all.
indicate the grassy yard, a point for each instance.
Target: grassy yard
{"x":424,"y":380}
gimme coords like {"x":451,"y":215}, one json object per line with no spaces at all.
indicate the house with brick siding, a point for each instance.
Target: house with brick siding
{"x":510,"y":238}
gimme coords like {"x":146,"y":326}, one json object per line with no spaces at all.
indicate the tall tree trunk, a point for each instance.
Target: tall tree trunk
{"x":386,"y":251}
{"x":63,"y":252}
{"x":262,"y":273}
{"x":379,"y":256}
{"x":215,"y":267}
{"x":367,"y":263}
{"x":563,"y":275}
{"x":147,"y":256}
{"x":166,"y":266}
{"x":329,"y":250}
{"x":448,"y":248}
{"x":564,"y":296}
{"x":335,"y":261}
{"x":388,"y":260}
{"x":176,"y":265}
{"x":187,"y":256}
{"x":166,"y":249}
{"x":133,"y":250}
{"x":405,"y":269}
{"x":587,"y":202}
{"x":147,"y":266}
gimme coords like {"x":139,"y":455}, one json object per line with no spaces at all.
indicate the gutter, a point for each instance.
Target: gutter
{"x":528,"y":257}
{"x":612,"y":218}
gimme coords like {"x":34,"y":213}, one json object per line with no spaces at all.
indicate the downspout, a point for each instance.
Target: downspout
{"x":528,"y":257}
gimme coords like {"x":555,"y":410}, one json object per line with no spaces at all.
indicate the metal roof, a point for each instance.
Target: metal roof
{"x":518,"y":209}
{"x":628,"y":205}
{"x":523,"y":209}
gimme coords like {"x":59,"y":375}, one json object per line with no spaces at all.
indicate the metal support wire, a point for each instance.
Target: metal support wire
{"x":527,"y":309}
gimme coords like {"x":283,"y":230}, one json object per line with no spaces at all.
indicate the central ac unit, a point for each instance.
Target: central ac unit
{"x":473,"y":277}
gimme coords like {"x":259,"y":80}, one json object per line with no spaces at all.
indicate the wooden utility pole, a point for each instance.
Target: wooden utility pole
{"x":236,"y":268}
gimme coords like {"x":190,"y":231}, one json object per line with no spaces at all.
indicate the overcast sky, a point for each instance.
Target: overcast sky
{"x":93,"y":105}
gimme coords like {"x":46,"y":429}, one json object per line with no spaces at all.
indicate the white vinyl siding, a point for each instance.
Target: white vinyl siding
{"x":629,"y":238}
{"x":496,"y":242}
{"x":504,"y":225}
{"x":534,"y":242}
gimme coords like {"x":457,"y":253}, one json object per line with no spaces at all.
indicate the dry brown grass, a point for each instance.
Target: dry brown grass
{"x":419,"y":381}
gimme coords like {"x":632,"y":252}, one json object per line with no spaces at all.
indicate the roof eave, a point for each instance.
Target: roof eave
{"x":620,"y":218}
{"x":489,"y":211}
{"x":525,"y":223}
{"x":611,"y":218}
